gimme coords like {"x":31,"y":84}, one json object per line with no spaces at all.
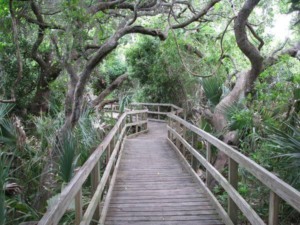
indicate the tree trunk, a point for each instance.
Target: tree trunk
{"x":48,"y":74}
{"x":244,"y":83}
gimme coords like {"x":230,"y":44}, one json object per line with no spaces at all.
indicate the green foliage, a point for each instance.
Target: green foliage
{"x":8,"y":135}
{"x":160,"y":75}
{"x":125,"y":101}
{"x":286,"y":143}
{"x":213,"y":89}
{"x":67,"y":160}
{"x":112,"y":67}
{"x":4,"y":170}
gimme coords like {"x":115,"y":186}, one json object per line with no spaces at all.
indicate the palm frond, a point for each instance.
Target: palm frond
{"x":213,"y":89}
{"x":5,"y":109}
{"x":8,"y":133}
{"x":285,"y":142}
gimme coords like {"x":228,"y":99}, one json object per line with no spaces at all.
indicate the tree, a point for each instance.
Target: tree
{"x":125,"y":18}
{"x":245,"y":82}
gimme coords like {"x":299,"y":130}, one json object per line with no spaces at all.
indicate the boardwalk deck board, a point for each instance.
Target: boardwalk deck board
{"x":152,"y":186}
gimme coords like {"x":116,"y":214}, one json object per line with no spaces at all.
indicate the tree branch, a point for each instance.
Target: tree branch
{"x":197,"y":16}
{"x":115,"y":84}
{"x":245,"y":45}
{"x":293,"y":51}
{"x":40,"y":37}
{"x":42,"y":24}
{"x":256,"y":36}
{"x":18,"y":54}
{"x":194,"y":50}
{"x":106,"y":102}
{"x":222,"y":37}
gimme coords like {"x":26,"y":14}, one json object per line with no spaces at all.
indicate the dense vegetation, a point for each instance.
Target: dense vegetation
{"x":61,"y":62}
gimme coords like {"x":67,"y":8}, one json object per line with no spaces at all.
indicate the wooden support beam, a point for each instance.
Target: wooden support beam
{"x":95,"y":179}
{"x":158,"y":110}
{"x":274,"y":209}
{"x":178,"y":132}
{"x":78,"y":207}
{"x":195,"y":163}
{"x":233,"y":180}
{"x":209,"y":159}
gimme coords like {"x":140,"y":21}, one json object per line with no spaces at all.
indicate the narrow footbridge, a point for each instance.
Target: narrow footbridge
{"x":151,"y":158}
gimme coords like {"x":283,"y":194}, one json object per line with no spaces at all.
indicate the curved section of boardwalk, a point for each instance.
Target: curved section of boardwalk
{"x":152,"y":186}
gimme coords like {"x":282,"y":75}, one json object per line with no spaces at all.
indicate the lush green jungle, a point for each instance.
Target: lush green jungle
{"x":233,"y":65}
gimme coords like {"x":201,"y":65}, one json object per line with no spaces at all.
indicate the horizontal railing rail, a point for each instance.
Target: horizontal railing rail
{"x":177,"y":131}
{"x":158,"y":111}
{"x":111,"y":146}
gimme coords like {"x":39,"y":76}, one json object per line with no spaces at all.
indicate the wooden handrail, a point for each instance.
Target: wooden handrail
{"x":73,"y":189}
{"x":162,"y":110}
{"x":277,"y":186}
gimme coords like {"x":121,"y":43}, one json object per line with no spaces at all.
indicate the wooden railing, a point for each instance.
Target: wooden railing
{"x":177,"y":131}
{"x":111,"y":147}
{"x":158,"y":111}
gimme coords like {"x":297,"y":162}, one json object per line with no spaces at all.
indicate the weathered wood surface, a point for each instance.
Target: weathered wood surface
{"x":152,"y":187}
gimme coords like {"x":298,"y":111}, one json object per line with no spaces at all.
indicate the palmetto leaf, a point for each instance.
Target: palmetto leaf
{"x":287,"y":142}
{"x":213,"y":89}
{"x":5,"y":109}
{"x":8,"y":133}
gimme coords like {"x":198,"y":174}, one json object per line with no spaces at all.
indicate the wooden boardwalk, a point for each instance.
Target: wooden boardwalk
{"x":152,"y":186}
{"x":150,"y":182}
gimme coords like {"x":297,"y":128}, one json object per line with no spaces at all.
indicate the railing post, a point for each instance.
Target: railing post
{"x":95,"y":179}
{"x":146,"y":118}
{"x":184,"y":136}
{"x":108,"y":153}
{"x":111,"y":110}
{"x":194,"y":161}
{"x":208,"y":158}
{"x":169,"y":124}
{"x":136,"y":126}
{"x":158,"y":110}
{"x":273,"y":208}
{"x":178,"y":132}
{"x":233,"y":180}
{"x":78,"y":207}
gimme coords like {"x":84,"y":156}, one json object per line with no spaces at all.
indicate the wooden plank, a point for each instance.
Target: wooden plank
{"x":281,"y":188}
{"x":166,"y":213}
{"x":173,"y":208}
{"x":164,"y":222}
{"x":222,"y":213}
{"x":162,"y":218}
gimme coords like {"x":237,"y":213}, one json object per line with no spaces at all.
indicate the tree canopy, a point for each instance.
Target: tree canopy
{"x":61,"y":62}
